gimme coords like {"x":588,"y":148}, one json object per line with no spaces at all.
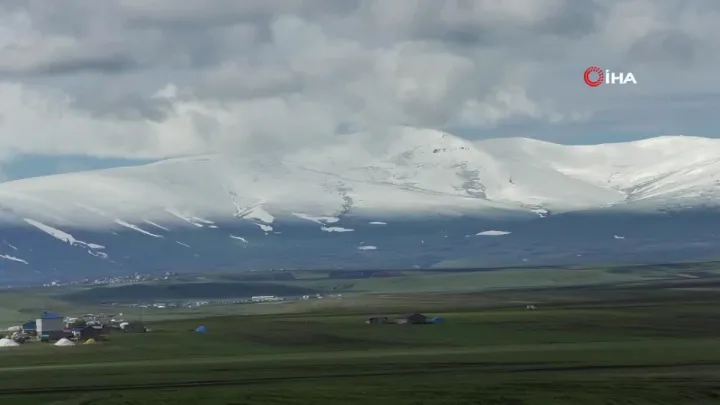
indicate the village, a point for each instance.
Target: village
{"x":199,"y":303}
{"x":56,"y":329}
{"x":92,"y":328}
{"x":69,"y":331}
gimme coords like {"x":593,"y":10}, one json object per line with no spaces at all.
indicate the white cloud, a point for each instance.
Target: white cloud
{"x":142,"y":79}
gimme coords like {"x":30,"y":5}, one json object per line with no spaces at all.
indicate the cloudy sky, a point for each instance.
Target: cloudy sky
{"x":89,"y":84}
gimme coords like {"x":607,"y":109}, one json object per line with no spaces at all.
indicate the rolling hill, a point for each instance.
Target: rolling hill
{"x":407,"y":197}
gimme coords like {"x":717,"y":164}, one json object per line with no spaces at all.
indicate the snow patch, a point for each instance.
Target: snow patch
{"x":10,"y":245}
{"x":492,"y":233}
{"x":13,"y":258}
{"x":266,"y":228}
{"x":55,"y":233}
{"x":322,"y":220}
{"x":156,"y":225}
{"x":335,"y":229}
{"x":213,"y":226}
{"x":136,"y":228}
{"x":240,"y":238}
{"x":259,"y":213}
{"x":61,"y":235}
{"x":202,"y":220}
{"x":183,"y":244}
{"x":101,"y":255}
{"x":185,"y":218}
{"x":367,"y":247}
{"x":378,"y":223}
{"x":618,"y":237}
{"x":542,"y":213}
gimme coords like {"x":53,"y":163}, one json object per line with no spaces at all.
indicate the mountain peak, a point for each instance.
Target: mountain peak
{"x":402,"y":169}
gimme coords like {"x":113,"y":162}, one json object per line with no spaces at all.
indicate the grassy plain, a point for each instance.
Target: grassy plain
{"x":651,"y":340}
{"x":604,"y":335}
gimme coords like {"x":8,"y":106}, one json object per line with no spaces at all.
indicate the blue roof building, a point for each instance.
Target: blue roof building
{"x":51,"y":325}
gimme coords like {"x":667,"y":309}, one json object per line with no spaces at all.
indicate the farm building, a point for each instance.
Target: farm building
{"x":412,"y":319}
{"x":132,"y":327}
{"x":378,"y":320}
{"x":86,"y":332}
{"x":51,"y":325}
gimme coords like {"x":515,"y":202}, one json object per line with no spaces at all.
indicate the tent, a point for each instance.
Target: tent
{"x":4,"y":342}
{"x":14,"y":329}
{"x":64,"y":342}
{"x":436,"y":319}
{"x":89,"y":341}
{"x":201,"y":329}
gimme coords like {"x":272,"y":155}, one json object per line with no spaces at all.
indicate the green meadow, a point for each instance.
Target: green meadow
{"x":649,"y":336}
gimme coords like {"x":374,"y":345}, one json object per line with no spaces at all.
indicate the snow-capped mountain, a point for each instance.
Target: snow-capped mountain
{"x":402,"y":198}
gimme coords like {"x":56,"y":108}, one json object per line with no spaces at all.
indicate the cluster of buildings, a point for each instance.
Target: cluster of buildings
{"x":126,"y":279}
{"x":53,"y":327}
{"x":194,"y":304}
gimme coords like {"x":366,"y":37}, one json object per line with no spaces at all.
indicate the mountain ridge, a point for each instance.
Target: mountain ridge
{"x":413,"y":198}
{"x":509,"y":174}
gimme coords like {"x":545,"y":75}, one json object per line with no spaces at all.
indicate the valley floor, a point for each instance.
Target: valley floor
{"x":596,"y":345}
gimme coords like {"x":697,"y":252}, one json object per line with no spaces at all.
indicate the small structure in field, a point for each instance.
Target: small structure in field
{"x":378,"y":320}
{"x":530,"y":307}
{"x":133,"y":327}
{"x":51,"y":325}
{"x":411,"y":319}
{"x":86,"y":332}
{"x":30,"y":327}
{"x":64,"y":342}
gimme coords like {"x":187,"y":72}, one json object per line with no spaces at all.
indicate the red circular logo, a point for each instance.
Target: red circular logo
{"x":600,"y":76}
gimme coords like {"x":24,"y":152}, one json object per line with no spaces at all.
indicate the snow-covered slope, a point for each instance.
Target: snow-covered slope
{"x":411,"y":171}
{"x":408,"y":173}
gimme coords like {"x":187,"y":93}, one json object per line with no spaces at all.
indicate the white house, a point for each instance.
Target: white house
{"x":50,"y":324}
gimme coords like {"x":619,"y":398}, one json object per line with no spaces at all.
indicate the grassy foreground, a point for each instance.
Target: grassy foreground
{"x":637,"y":346}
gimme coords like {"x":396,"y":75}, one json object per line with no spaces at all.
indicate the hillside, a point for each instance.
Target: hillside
{"x":334,"y":206}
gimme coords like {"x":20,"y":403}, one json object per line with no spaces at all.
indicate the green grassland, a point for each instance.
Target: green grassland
{"x":299,"y":282}
{"x":651,"y":341}
{"x":359,"y":288}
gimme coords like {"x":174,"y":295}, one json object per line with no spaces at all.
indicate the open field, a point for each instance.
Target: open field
{"x":643,"y":343}
{"x":15,"y":305}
